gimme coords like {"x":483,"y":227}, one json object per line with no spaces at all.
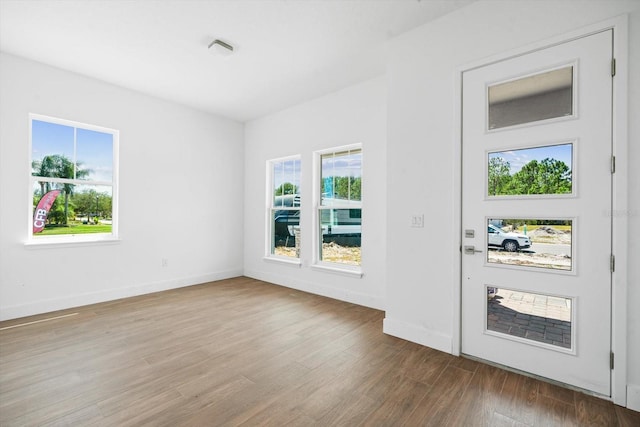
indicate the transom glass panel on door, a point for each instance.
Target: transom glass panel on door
{"x":541,"y":96}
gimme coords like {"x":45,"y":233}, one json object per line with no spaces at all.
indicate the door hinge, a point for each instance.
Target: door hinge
{"x":613,"y":164}
{"x":613,"y":67}
{"x":612,"y":263}
{"x":611,"y":358}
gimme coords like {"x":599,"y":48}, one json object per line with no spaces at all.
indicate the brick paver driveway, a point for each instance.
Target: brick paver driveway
{"x":536,"y":317}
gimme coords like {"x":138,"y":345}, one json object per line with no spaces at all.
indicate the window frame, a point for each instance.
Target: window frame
{"x":318,"y":263}
{"x":67,"y":239}
{"x":270,"y":209}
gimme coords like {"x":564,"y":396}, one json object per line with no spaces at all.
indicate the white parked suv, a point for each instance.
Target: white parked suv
{"x":509,"y":241}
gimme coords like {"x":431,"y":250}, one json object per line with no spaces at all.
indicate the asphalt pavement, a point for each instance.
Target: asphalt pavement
{"x":550,"y":248}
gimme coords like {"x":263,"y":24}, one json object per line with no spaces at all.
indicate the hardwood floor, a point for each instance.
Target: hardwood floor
{"x":244,"y":352}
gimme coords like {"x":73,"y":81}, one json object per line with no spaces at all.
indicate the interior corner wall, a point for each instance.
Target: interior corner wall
{"x":180,"y":170}
{"x":422,"y":266}
{"x":353,"y":115}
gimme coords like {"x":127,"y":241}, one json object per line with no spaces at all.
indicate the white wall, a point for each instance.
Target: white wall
{"x":181,"y":185}
{"x":422,"y":276}
{"x":353,"y":115}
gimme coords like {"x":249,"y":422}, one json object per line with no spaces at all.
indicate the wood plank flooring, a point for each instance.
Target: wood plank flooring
{"x":241,"y":352}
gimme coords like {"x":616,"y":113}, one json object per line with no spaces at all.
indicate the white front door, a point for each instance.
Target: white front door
{"x":536,"y":263}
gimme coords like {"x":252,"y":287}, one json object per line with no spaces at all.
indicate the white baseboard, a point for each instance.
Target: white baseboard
{"x":319,"y":289}
{"x":417,"y":334}
{"x":78,"y":300}
{"x":633,"y":397}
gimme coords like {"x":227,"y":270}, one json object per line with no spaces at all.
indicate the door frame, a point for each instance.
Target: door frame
{"x":619,"y":209}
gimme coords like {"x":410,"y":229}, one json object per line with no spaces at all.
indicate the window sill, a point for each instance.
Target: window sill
{"x":295,"y":262}
{"x":69,"y":242}
{"x":339,"y":270}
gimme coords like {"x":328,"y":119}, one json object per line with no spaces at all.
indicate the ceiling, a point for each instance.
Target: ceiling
{"x":285,"y":51}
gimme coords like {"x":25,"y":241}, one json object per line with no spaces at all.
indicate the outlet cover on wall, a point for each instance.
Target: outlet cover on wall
{"x":417,"y":221}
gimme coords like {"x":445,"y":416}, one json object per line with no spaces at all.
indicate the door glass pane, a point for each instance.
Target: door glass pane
{"x":526,"y":242}
{"x":530,"y":99}
{"x":527,"y":171}
{"x":536,"y":317}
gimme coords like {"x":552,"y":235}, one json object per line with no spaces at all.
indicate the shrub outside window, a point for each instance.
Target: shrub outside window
{"x":284,"y":207}
{"x":340,"y":206}
{"x":73,"y":181}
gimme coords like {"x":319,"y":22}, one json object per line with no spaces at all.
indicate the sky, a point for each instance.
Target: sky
{"x":342,"y":165}
{"x":286,"y":171}
{"x":94,"y":150}
{"x":518,"y":158}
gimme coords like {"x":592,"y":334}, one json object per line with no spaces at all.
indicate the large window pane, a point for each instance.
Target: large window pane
{"x":73,"y":173}
{"x":75,"y":209}
{"x":340,"y":207}
{"x":530,"y":99}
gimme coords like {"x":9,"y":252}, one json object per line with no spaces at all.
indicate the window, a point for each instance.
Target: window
{"x":340,"y":206}
{"x":284,"y":208}
{"x":73,"y":181}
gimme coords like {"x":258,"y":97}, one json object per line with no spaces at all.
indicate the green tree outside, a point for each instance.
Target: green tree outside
{"x":58,"y":166}
{"x":548,"y":176}
{"x":345,"y":187}
{"x":285,"y":188}
{"x":499,"y":176}
{"x":90,"y":202}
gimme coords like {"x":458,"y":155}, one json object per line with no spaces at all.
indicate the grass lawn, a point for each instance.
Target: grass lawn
{"x":75,"y":229}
